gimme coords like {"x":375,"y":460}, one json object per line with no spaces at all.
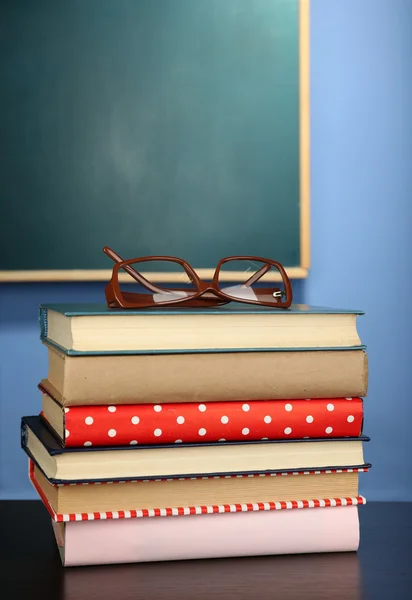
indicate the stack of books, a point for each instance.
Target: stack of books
{"x":170,"y":434}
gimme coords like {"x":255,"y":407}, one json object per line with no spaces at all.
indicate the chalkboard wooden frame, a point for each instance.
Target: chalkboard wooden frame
{"x":296,"y":272}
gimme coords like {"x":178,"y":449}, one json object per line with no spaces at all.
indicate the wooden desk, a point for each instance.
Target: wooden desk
{"x":382,"y":569}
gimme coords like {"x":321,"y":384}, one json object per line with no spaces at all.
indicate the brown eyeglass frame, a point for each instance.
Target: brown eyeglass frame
{"x":207,"y":294}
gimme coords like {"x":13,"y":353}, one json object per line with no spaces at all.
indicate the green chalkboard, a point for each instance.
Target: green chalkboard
{"x":152,"y":126}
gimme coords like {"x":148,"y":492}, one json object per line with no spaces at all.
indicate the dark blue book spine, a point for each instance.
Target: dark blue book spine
{"x":23,"y":435}
{"x":43,"y":322}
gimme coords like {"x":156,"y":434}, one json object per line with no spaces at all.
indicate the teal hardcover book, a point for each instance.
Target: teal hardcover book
{"x":79,"y":329}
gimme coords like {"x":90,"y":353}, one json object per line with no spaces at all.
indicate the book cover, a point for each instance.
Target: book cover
{"x":190,"y":422}
{"x":205,"y":377}
{"x":333,"y":529}
{"x":90,"y":309}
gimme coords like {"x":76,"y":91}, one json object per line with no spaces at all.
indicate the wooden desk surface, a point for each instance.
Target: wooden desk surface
{"x":382,"y":569}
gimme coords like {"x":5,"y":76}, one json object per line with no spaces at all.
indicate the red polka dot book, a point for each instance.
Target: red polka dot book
{"x":231,"y":431}
{"x":189,"y":422}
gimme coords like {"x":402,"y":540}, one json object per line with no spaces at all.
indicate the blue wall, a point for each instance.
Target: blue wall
{"x":361,"y":88}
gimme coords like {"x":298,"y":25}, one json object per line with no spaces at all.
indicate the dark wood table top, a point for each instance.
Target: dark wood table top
{"x":30,"y":566}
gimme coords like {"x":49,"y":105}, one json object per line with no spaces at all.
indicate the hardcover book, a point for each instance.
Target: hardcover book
{"x":304,"y":530}
{"x":205,"y":377}
{"x":132,"y":496}
{"x":96,"y":329}
{"x":154,"y":424}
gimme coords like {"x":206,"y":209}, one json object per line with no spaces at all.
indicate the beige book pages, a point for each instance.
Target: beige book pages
{"x":156,"y":332}
{"x":196,"y":492}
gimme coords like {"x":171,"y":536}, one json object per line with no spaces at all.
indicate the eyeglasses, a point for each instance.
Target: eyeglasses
{"x":197,"y":293}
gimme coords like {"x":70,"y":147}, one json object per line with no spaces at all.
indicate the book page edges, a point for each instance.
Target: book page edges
{"x":235,"y":332}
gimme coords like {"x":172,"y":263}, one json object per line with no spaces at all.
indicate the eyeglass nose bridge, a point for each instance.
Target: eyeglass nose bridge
{"x":207,"y":287}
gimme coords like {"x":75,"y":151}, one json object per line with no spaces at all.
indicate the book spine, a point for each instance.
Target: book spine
{"x":23,"y":435}
{"x":43,"y":322}
{"x":192,"y":422}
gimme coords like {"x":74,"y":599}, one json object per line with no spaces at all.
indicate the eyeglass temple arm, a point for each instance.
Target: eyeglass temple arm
{"x":256,"y":276}
{"x":132,"y":272}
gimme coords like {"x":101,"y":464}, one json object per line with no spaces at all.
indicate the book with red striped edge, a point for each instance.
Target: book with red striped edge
{"x":196,"y":510}
{"x":195,"y":491}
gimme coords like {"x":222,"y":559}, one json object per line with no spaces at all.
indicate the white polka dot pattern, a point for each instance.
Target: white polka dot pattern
{"x":232,"y":421}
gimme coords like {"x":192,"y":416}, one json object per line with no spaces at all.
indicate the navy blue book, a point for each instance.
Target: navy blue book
{"x":95,"y":329}
{"x":86,"y":464}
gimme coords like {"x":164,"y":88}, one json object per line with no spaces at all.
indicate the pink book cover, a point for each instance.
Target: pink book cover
{"x":192,"y":422}
{"x":334,"y":529}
